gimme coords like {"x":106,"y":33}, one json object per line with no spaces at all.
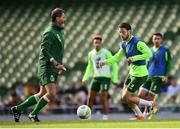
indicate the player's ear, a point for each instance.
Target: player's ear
{"x":130,"y":31}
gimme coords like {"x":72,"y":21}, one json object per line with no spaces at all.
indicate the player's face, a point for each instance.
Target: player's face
{"x":61,"y":20}
{"x":124,"y":33}
{"x":156,"y":40}
{"x":97,"y":44}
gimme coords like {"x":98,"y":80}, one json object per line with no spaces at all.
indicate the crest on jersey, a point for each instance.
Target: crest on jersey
{"x":52,"y":78}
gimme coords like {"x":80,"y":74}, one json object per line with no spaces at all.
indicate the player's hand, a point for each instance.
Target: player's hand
{"x":165,"y":79}
{"x":60,"y":67}
{"x":82,"y":83}
{"x":129,"y":59}
{"x":101,"y":63}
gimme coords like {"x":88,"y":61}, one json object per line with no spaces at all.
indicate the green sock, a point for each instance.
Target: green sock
{"x":28,"y":102}
{"x":41,"y":103}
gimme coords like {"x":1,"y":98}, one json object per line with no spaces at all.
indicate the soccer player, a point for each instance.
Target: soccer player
{"x":136,"y":52}
{"x":159,"y":70}
{"x":101,"y":76}
{"x":50,"y":63}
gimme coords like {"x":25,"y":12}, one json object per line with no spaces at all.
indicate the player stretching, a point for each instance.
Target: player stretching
{"x":102,"y":76}
{"x":136,"y":52}
{"x":50,"y":63}
{"x":159,"y":69}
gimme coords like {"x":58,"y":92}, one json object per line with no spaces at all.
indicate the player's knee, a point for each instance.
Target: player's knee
{"x":40,"y":94}
{"x":125,"y":97}
{"x":51,"y":96}
{"x":150,"y":97}
{"x":142,"y":96}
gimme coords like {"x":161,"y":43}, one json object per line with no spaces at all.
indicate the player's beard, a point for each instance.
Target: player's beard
{"x":157,"y":45}
{"x":97,"y":48}
{"x":125,"y":38}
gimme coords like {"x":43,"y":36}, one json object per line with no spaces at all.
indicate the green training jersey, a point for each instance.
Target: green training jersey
{"x":136,"y":71}
{"x":93,"y":66}
{"x":52,"y":46}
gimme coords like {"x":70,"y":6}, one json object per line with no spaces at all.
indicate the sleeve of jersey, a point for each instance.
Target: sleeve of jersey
{"x":114,"y":69}
{"x":46,"y":44}
{"x":89,"y":69}
{"x":168,"y":61}
{"x":144,"y":49}
{"x":116,"y":58}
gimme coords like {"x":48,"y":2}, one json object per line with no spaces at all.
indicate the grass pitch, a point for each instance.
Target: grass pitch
{"x":92,"y":124}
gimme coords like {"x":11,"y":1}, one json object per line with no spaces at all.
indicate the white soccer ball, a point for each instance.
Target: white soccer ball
{"x":83,"y":112}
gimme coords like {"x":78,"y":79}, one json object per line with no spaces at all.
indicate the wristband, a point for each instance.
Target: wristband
{"x":51,"y":59}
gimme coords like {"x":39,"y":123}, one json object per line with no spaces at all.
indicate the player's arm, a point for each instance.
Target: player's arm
{"x":89,"y":69}
{"x":116,"y":58}
{"x":48,"y":39}
{"x":168,"y":62}
{"x":144,"y":49}
{"x":114,"y":69}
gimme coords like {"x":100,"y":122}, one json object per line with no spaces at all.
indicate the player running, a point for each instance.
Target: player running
{"x":101,"y":76}
{"x":136,"y":52}
{"x":50,"y":63}
{"x":159,"y":70}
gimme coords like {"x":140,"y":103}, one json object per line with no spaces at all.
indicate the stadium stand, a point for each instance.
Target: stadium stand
{"x":22,"y":24}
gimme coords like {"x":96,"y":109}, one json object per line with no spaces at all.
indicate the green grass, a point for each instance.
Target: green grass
{"x":93,"y":124}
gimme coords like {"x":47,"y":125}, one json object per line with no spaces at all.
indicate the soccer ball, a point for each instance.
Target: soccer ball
{"x":83,"y":112}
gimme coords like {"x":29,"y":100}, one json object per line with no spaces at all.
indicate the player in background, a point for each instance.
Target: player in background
{"x":136,"y":52}
{"x":159,"y":70}
{"x":101,"y":76}
{"x":49,"y":64}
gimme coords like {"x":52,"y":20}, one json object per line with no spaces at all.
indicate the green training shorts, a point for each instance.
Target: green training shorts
{"x":153,"y":85}
{"x":133,"y":83}
{"x":100,"y":84}
{"x":47,"y":78}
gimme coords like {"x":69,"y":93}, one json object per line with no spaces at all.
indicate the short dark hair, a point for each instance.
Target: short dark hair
{"x":158,"y":34}
{"x":127,"y":26}
{"x":57,"y":12}
{"x":99,"y":37}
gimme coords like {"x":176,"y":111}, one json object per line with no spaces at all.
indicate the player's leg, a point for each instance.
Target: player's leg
{"x":143,"y":94}
{"x":144,"y":89}
{"x":49,"y":83}
{"x":91,"y":97}
{"x":44,"y":100}
{"x":105,"y":105}
{"x":154,"y":91}
{"x":134,"y":107}
{"x":94,"y":88}
{"x":133,"y":86}
{"x":90,"y":101}
{"x":125,"y":97}
{"x":104,"y":87}
{"x":32,"y":100}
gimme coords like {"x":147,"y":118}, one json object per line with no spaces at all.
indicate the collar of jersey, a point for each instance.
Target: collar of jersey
{"x":155,"y":48}
{"x":98,"y":52}
{"x":129,"y":39}
{"x":55,"y":26}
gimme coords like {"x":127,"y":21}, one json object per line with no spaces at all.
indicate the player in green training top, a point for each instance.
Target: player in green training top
{"x":50,"y":63}
{"x":159,"y":70}
{"x":136,"y":52}
{"x":101,"y":76}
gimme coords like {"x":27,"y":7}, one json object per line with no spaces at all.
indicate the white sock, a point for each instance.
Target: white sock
{"x":145,"y":102}
{"x":137,"y":111}
{"x":36,"y":97}
{"x":105,"y":117}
